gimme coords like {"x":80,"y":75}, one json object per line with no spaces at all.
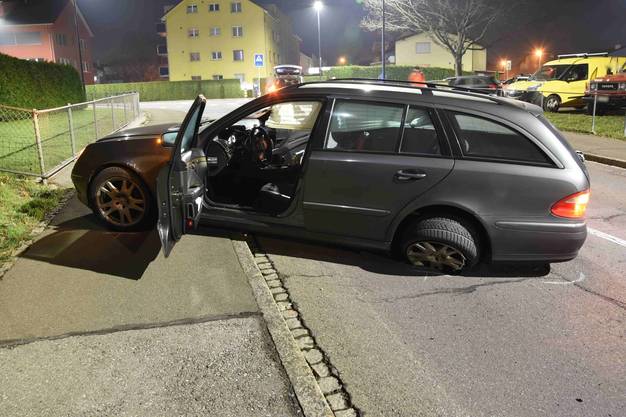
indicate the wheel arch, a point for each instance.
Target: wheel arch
{"x":451,"y":211}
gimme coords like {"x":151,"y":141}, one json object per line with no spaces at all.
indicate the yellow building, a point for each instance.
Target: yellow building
{"x":218,"y":39}
{"x":422,"y":50}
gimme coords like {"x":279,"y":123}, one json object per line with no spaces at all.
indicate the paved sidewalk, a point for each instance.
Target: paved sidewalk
{"x":599,"y":149}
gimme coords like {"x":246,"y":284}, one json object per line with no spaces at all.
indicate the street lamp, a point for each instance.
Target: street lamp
{"x":318,"y":6}
{"x":382,"y":44}
{"x":539,"y":54}
{"x":80,"y":51}
{"x":343,"y":60}
{"x":504,"y":64}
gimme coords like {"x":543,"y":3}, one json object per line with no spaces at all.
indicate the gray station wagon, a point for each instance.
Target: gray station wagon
{"x":443,"y":178}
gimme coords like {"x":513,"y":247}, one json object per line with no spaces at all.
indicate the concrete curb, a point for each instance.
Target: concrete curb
{"x":308,"y":392}
{"x":605,"y":160}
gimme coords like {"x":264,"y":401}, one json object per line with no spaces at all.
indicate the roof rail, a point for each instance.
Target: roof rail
{"x":412,"y":84}
{"x":582,"y":55}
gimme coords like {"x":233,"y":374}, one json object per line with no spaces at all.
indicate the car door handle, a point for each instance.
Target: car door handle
{"x":410,"y":175}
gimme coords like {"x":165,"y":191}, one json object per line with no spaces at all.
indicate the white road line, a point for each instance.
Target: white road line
{"x":607,"y":236}
{"x":581,"y":278}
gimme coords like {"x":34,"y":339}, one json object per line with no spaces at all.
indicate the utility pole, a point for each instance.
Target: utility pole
{"x":80,"y":51}
{"x":382,"y":45}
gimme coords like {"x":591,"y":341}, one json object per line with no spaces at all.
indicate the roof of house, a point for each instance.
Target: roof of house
{"x":33,"y":12}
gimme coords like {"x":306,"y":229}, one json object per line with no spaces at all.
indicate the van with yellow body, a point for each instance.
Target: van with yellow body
{"x":563,"y":81}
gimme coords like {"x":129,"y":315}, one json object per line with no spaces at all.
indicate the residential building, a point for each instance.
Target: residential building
{"x":45,"y":31}
{"x":218,"y":39}
{"x":420,"y":49}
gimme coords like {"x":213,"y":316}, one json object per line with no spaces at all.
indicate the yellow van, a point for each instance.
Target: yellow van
{"x":563,"y":82}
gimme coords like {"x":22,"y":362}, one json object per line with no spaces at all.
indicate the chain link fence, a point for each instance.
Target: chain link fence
{"x":41,"y":142}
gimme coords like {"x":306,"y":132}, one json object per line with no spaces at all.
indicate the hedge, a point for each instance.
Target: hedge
{"x":38,"y":85}
{"x":170,"y":90}
{"x":392,"y":72}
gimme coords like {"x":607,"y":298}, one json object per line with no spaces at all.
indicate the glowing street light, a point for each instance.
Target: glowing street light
{"x":343,"y":60}
{"x":318,"y":6}
{"x":539,"y":55}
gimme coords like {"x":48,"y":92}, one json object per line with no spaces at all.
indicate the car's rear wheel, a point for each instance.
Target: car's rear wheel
{"x":121,"y":200}
{"x":552,"y":103}
{"x":440,"y":243}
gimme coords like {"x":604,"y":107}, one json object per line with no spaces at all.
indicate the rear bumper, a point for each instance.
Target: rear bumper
{"x":612,"y":100}
{"x":537,"y":241}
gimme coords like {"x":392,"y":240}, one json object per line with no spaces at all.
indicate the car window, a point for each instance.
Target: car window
{"x":365,"y":127}
{"x":420,"y":136}
{"x":577,"y":73}
{"x":296,"y":115}
{"x":551,"y":72}
{"x":480,"y":137}
{"x":190,"y":131}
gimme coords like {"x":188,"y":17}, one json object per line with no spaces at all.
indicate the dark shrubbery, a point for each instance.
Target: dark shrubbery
{"x":169,"y":90}
{"x":39,"y":85}
{"x":392,"y":72}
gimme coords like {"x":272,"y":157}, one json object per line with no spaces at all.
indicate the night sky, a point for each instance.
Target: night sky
{"x":125,"y":27}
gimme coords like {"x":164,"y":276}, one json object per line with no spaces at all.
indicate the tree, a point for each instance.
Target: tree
{"x":457,"y":25}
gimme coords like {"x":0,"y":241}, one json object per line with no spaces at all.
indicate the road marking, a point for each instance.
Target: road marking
{"x":581,"y":278}
{"x":607,"y":236}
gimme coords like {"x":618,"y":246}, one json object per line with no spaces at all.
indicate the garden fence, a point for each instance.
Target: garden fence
{"x":41,"y":142}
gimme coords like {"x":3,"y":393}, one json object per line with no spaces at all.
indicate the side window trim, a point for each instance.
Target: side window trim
{"x":454,"y":128}
{"x":442,"y":135}
{"x":367,"y":101}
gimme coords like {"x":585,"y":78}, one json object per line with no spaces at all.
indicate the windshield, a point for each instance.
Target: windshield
{"x":550,"y":72}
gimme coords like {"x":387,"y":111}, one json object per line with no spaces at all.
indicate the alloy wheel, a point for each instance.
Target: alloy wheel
{"x":121,"y":201}
{"x":435,"y":255}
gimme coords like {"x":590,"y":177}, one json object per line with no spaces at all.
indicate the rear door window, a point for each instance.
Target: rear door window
{"x":420,"y":136}
{"x":359,"y":126}
{"x":484,"y":138}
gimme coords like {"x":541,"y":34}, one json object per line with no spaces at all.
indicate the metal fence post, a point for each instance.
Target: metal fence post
{"x":136,"y":100}
{"x":71,"y":122}
{"x":95,"y":120}
{"x":124,"y":104}
{"x":42,"y":166}
{"x":593,"y":116}
{"x":112,"y":112}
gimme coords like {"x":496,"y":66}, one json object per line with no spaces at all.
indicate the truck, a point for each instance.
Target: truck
{"x":610,"y":91}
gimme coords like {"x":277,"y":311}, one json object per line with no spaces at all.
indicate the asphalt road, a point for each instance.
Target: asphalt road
{"x":509,"y":341}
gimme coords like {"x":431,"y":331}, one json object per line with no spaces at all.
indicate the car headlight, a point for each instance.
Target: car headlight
{"x":593,"y":87}
{"x":534,"y":87}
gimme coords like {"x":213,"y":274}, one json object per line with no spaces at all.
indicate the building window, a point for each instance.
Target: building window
{"x":235,"y":7}
{"x":216,"y":31}
{"x":241,"y":77}
{"x":60,"y":39}
{"x":193,"y":32}
{"x":196,"y":78}
{"x":214,"y":7}
{"x":422,"y":47}
{"x":276,"y":36}
{"x":237,"y":31}
{"x":164,"y":71}
{"x":85,"y":66}
{"x":64,"y":61}
{"x":161,"y":50}
{"x":218,"y":77}
{"x":192,"y":8}
{"x":238,"y":55}
{"x":37,"y":59}
{"x":194,"y":56}
{"x":20,"y":38}
{"x":216,"y":55}
{"x":83,"y":45}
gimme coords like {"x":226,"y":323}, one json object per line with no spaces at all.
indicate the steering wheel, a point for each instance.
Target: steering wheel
{"x":261,"y":146}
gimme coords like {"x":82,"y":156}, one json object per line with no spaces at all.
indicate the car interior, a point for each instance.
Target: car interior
{"x":255,"y":164}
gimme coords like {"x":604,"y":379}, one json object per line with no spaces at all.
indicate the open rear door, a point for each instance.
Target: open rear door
{"x":181,"y":183}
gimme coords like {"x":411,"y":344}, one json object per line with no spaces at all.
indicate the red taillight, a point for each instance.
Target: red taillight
{"x":573,"y":206}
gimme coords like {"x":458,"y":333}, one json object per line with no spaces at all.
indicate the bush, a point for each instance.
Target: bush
{"x":39,"y":85}
{"x":392,"y":72}
{"x":169,"y":90}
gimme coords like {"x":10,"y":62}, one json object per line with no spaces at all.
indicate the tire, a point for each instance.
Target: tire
{"x":121,"y":200}
{"x":440,"y":243}
{"x":552,"y":103}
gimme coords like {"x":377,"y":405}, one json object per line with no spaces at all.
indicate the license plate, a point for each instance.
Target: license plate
{"x":603,"y":99}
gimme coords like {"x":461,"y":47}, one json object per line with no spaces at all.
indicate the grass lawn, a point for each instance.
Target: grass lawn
{"x":23,"y":204}
{"x":611,"y":126}
{"x":18,"y":150}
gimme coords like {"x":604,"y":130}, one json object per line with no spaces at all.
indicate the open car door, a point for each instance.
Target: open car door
{"x":181,"y":183}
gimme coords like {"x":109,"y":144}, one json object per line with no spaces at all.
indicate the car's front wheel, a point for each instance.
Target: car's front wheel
{"x":440,"y":243}
{"x":121,"y":200}
{"x":552,"y":103}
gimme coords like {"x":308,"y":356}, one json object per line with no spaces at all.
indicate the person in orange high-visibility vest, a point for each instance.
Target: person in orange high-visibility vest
{"x":417,"y":77}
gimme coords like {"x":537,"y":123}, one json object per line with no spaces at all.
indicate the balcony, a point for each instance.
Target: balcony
{"x":162,"y":50}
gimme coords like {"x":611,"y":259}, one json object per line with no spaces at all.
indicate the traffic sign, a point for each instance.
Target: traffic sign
{"x":259,"y":60}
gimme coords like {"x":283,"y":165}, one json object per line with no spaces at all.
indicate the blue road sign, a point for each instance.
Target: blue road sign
{"x":259,"y":61}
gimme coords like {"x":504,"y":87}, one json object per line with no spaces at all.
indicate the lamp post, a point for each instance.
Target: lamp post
{"x":318,"y":6}
{"x":80,"y":51}
{"x":382,"y":45}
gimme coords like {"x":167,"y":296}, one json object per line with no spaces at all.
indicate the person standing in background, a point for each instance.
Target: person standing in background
{"x":417,"y":77}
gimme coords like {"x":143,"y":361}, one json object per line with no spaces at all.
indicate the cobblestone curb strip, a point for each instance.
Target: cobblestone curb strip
{"x":321,"y":379}
{"x":36,"y":232}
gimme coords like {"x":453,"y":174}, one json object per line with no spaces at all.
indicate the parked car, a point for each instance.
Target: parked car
{"x":481,"y":83}
{"x":562,"y":82}
{"x":285,"y":75}
{"x":443,"y":178}
{"x":610,"y":91}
